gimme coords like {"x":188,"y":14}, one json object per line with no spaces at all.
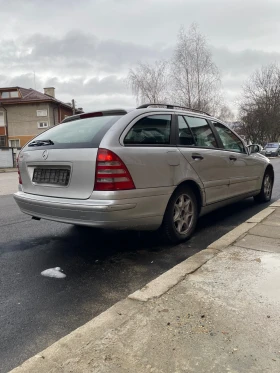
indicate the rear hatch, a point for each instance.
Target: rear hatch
{"x":61,"y":161}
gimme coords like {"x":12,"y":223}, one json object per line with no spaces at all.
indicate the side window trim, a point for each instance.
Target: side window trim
{"x":173,"y":130}
{"x":176,"y":130}
{"x":216,"y":134}
{"x":187,"y":124}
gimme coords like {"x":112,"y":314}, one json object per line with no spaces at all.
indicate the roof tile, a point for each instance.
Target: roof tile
{"x":29,"y":95}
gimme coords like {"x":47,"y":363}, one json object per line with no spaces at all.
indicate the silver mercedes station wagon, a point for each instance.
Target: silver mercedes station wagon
{"x":154,"y":167}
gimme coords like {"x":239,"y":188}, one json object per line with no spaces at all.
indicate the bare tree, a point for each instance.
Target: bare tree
{"x":224,"y":113}
{"x":260,"y":105}
{"x":149,"y":82}
{"x":190,"y":79}
{"x":195,"y":77}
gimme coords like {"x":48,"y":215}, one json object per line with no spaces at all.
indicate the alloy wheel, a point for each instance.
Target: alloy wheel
{"x":183,"y":214}
{"x":267,"y":186}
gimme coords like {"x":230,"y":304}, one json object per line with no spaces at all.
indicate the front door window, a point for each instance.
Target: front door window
{"x":229,"y":139}
{"x":202,"y":132}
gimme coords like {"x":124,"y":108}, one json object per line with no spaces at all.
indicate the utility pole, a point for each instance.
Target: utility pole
{"x":73,"y":107}
{"x":34,"y":78}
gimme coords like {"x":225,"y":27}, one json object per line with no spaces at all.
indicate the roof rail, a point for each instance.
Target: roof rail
{"x":171,"y":106}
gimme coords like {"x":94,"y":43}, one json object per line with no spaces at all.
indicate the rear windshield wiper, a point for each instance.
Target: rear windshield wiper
{"x":41,"y":143}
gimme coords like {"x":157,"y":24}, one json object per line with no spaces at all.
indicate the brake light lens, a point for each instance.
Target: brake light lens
{"x":19,"y":176}
{"x":111,"y":173}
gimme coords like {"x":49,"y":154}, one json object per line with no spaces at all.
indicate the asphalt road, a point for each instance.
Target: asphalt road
{"x":101,"y":269}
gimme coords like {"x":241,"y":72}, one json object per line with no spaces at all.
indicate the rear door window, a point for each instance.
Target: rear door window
{"x":202,"y":132}
{"x":80,"y":133}
{"x":151,"y":130}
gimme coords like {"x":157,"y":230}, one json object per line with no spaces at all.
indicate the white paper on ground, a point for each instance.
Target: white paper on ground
{"x":53,"y":272}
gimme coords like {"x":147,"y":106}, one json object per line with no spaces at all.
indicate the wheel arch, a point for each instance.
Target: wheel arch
{"x":196,"y":189}
{"x":166,"y":229}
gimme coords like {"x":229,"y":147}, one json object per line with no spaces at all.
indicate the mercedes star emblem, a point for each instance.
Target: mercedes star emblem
{"x":45,"y":154}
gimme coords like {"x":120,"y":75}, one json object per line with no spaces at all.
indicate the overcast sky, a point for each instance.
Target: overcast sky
{"x":84,"y":48}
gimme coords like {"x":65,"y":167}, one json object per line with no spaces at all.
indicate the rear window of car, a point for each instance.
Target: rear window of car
{"x":80,"y":133}
{"x":272,"y":145}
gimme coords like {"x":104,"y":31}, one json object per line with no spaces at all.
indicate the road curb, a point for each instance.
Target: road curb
{"x":169,"y":279}
{"x":261,"y":215}
{"x":232,"y":236}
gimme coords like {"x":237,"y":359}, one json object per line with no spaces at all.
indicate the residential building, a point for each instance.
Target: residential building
{"x":25,"y":113}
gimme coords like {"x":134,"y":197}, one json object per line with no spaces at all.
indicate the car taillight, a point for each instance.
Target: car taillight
{"x":19,"y":176}
{"x":111,"y":173}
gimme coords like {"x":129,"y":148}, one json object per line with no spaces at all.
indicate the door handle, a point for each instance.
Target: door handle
{"x":197,"y":156}
{"x":232,"y":158}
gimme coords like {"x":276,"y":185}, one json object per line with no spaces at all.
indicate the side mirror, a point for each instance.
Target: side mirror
{"x":254,"y":148}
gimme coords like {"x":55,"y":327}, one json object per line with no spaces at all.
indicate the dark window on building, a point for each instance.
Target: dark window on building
{"x":9,"y":94}
{"x":2,"y":119}
{"x":2,"y":140}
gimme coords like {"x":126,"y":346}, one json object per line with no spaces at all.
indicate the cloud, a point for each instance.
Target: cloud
{"x":244,"y":61}
{"x":77,"y":51}
{"x":78,"y":65}
{"x":108,"y":85}
{"x":87,"y":56}
{"x":110,"y":91}
{"x":90,"y":103}
{"x":237,"y":24}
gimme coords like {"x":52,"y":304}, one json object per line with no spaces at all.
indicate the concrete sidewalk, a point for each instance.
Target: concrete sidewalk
{"x":8,"y":183}
{"x":218,"y":311}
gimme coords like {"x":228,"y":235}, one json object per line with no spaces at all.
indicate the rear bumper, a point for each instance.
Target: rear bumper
{"x":133,"y":213}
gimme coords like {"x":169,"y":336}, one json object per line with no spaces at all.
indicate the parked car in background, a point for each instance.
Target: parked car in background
{"x":271,"y":149}
{"x":146,"y":169}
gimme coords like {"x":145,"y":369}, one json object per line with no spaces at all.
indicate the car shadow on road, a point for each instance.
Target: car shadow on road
{"x":73,"y":244}
{"x":97,"y":245}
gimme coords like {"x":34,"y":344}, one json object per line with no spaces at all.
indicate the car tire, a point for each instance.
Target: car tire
{"x":180,"y":217}
{"x":266,"y":191}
